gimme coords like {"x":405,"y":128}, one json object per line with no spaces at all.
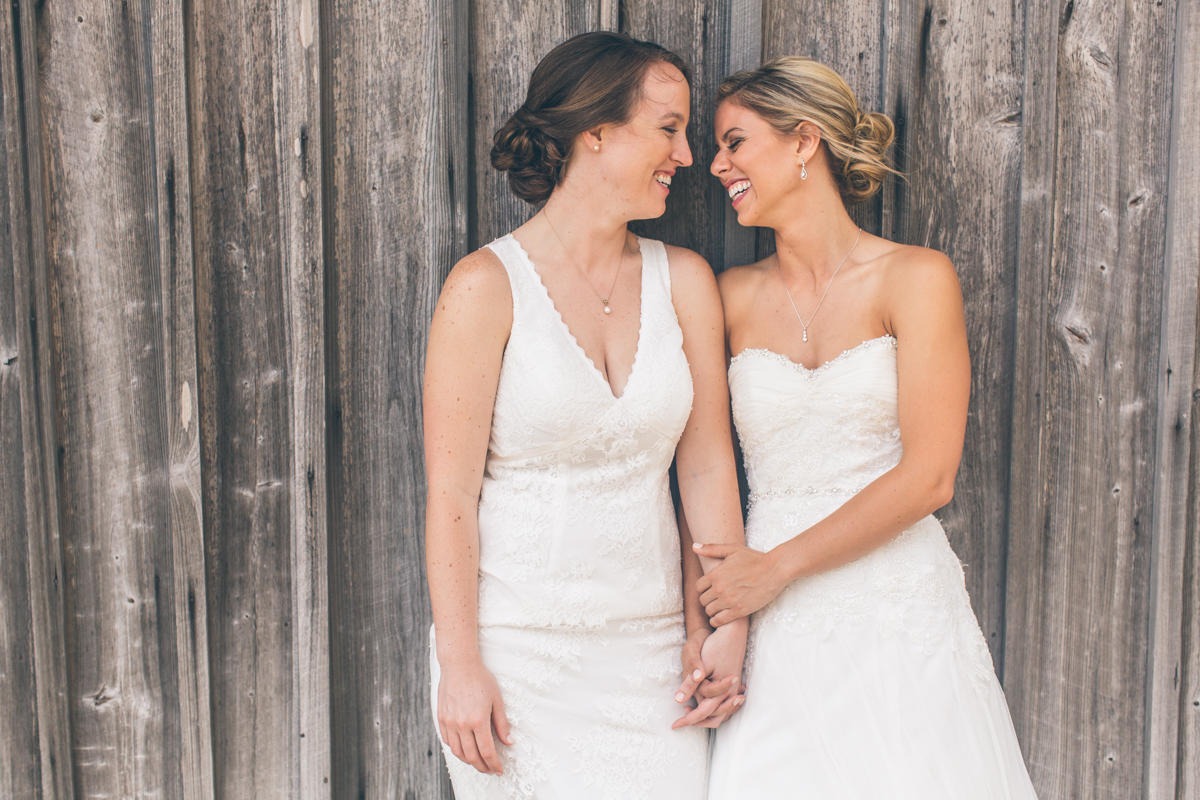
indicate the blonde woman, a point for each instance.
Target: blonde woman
{"x":868,"y":676}
{"x":569,"y":362}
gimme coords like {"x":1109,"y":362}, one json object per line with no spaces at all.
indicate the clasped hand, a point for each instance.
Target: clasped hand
{"x":744,"y":581}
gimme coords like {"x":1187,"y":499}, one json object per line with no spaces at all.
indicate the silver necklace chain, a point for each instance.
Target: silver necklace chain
{"x":620,"y":261}
{"x":804,"y":324}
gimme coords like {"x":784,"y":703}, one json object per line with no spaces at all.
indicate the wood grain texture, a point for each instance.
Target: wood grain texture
{"x":698,"y":30}
{"x":744,"y":52}
{"x":394,"y":196}
{"x":1177,"y":352}
{"x":20,"y":753}
{"x":118,"y":230}
{"x":1180,"y":510}
{"x":257,"y":173}
{"x":36,"y":734}
{"x":1082,"y":486}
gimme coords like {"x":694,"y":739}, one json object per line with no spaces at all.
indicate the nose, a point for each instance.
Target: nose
{"x":683,"y":153}
{"x":720,"y":163}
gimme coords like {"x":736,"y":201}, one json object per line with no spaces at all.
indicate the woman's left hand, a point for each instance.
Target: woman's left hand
{"x":744,"y":581}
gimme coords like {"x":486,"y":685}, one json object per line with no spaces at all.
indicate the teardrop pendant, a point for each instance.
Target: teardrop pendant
{"x":607,"y":310}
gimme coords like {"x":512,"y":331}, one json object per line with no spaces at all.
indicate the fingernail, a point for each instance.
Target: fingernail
{"x":696,"y":545}
{"x":679,"y":697}
{"x":739,"y":701}
{"x":697,"y":675}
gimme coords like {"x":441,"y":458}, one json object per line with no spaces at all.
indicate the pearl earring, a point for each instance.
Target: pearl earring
{"x":596,"y":147}
{"x":803,"y":171}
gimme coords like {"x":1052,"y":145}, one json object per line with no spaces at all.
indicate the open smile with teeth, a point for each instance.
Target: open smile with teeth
{"x":664,"y":179}
{"x":737,"y":189}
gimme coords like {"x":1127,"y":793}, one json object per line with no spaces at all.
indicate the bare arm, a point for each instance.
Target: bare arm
{"x":711,"y":507}
{"x":925,"y":314}
{"x":466,"y":347}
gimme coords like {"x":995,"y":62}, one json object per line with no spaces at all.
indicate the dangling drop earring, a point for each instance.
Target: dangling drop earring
{"x":803,"y":171}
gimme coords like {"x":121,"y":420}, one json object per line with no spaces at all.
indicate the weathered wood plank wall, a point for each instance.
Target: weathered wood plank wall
{"x":226,"y":227}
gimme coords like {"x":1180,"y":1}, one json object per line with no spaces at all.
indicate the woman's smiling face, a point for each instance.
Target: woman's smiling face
{"x":757,"y":165}
{"x":640,"y":156}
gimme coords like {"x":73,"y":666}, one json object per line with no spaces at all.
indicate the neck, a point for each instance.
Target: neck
{"x":814,"y":236}
{"x":590,"y":232}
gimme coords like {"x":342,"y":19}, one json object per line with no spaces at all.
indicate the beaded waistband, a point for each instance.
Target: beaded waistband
{"x":804,"y":491}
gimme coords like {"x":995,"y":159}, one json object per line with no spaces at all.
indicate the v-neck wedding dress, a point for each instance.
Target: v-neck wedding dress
{"x":580,"y":604}
{"x":871,"y":680}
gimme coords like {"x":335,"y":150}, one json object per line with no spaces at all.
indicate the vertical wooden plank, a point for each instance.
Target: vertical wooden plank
{"x":1178,"y":519}
{"x":1089,"y":321}
{"x":395,"y":197}
{"x":744,"y":52}
{"x":118,"y":230}
{"x":20,"y":751}
{"x":256,"y":133}
{"x":37,"y":735}
{"x":698,"y":30}
{"x":1175,"y":382}
{"x":508,"y":39}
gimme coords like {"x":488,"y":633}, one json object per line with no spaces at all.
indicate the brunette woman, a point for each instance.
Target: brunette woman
{"x":569,"y":362}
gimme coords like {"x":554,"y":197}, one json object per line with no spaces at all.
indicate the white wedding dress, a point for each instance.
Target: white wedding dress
{"x":871,"y":681}
{"x":580,"y":603}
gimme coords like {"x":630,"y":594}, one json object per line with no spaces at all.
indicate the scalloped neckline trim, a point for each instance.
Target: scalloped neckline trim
{"x":771,"y":355}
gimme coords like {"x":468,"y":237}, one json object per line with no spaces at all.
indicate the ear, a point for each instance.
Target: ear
{"x":808,"y":139}
{"x":593,"y":139}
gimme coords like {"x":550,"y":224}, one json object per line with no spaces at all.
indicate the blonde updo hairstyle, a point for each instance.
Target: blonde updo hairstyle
{"x":793,"y":89}
{"x":589,"y":80}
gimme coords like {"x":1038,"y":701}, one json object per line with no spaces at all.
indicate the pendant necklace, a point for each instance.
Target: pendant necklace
{"x":620,"y":261}
{"x":804,"y":324}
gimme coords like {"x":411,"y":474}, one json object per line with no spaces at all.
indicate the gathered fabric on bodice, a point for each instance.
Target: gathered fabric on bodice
{"x":871,"y":679}
{"x":576,"y":524}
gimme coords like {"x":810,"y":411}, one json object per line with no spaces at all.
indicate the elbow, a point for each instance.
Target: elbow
{"x":942,"y":491}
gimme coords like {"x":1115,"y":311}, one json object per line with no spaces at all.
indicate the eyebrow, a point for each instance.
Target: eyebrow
{"x":725,"y":135}
{"x":675,"y":115}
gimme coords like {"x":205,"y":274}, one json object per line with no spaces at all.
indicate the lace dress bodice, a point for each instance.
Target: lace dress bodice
{"x":575,"y":517}
{"x":871,"y":679}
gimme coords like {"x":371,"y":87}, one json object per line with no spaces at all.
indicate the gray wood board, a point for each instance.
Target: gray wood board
{"x":255,"y":118}
{"x":395,"y":177}
{"x":119,"y":254}
{"x":1180,"y":523}
{"x":1089,"y":319}
{"x":30,"y":539}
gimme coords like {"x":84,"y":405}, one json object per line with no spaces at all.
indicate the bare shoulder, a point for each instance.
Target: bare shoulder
{"x":912,"y":274}
{"x":688,"y":266}
{"x":740,"y":285}
{"x":476,"y":298}
{"x":478,"y":279}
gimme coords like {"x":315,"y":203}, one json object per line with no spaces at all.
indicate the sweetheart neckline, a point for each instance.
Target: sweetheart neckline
{"x":780,"y":357}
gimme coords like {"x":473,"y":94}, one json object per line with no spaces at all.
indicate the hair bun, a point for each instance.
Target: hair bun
{"x":532,"y":159}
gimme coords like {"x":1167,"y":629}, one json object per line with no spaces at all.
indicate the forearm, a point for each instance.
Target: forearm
{"x":711,"y":503}
{"x":884,"y":509}
{"x":452,"y":564}
{"x":693,"y":611}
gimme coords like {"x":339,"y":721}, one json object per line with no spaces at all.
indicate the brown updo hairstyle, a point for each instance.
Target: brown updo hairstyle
{"x":793,"y":89}
{"x":590,"y":79}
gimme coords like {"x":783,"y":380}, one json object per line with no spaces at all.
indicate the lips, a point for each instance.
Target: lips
{"x":737,"y":189}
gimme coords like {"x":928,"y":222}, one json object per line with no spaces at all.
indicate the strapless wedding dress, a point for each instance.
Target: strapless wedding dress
{"x":580,"y":600}
{"x":871,"y":681}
